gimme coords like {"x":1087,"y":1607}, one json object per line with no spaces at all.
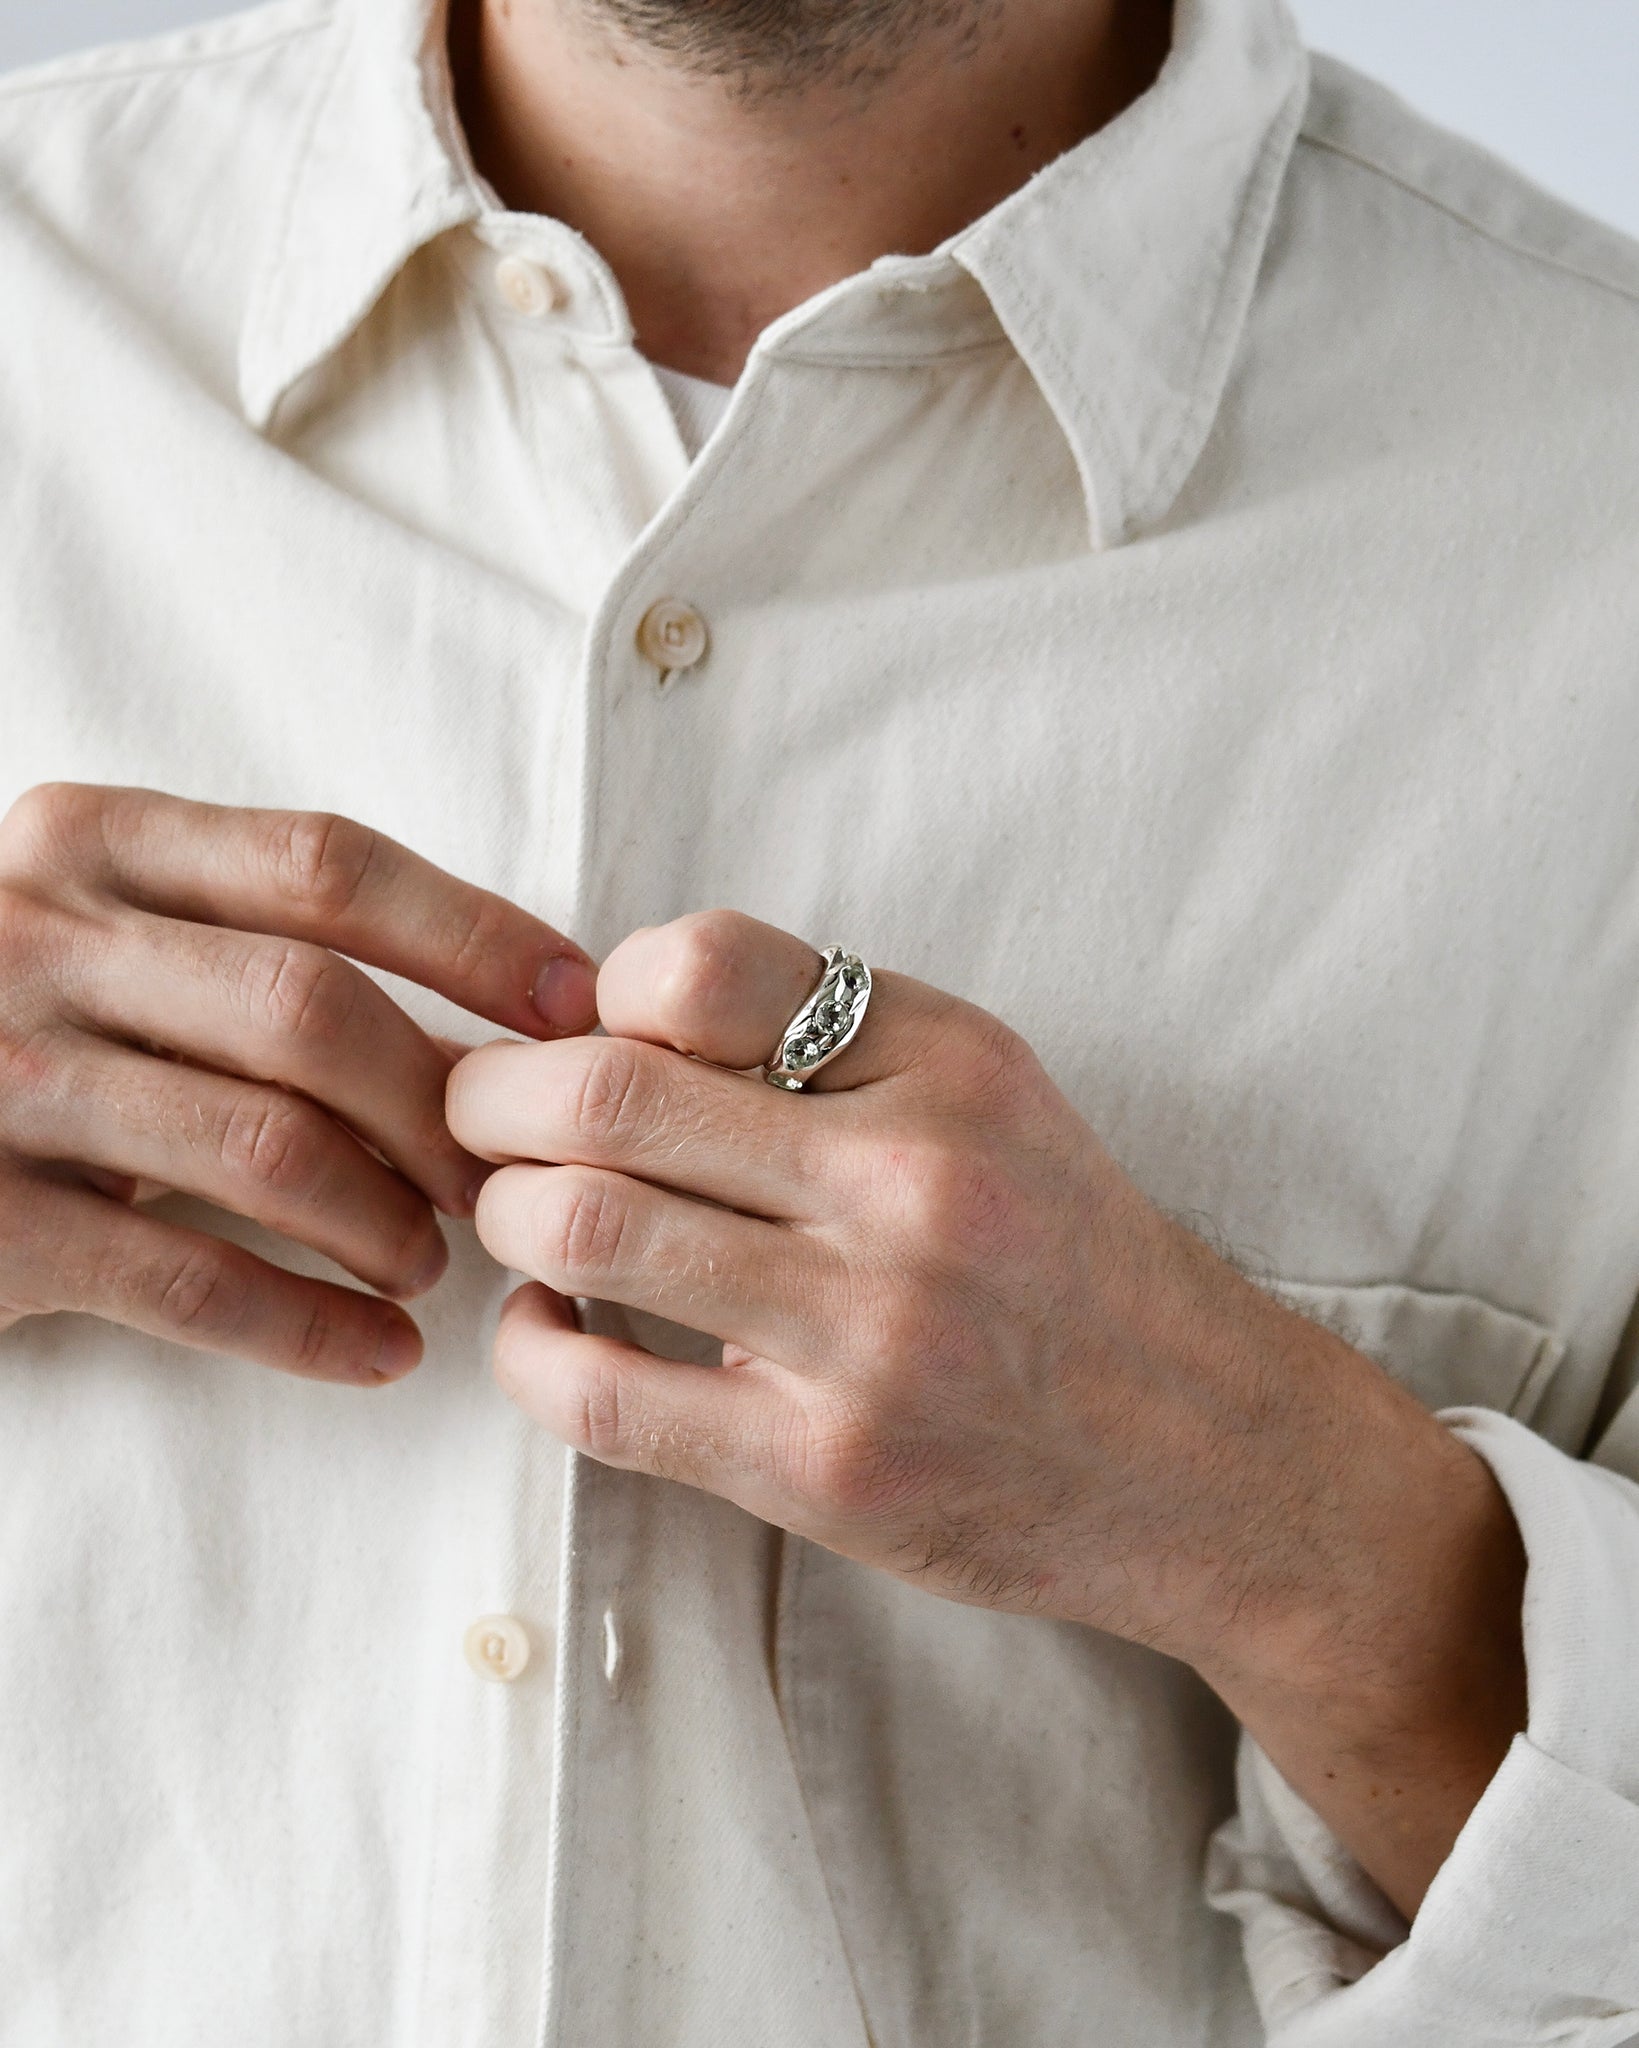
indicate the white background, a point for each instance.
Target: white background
{"x":1553,"y":84}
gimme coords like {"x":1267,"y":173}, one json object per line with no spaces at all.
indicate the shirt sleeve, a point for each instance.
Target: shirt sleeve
{"x":1529,"y":1934}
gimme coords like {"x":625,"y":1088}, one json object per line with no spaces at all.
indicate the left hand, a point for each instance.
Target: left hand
{"x":960,"y":1344}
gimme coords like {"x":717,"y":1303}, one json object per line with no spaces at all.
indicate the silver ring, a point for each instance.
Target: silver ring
{"x":825,"y":1025}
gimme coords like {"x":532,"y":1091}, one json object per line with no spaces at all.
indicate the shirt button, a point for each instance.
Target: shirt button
{"x":673,"y":635}
{"x":526,"y":287}
{"x":497,"y":1647}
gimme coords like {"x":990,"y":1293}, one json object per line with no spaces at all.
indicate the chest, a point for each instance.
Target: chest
{"x":1270,"y":870}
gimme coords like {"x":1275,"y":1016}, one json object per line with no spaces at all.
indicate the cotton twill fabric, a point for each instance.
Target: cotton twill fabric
{"x":1195,"y":615}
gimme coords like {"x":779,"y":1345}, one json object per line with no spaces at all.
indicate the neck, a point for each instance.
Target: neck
{"x":719,"y":206}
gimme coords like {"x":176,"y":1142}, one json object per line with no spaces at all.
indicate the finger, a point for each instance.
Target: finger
{"x":188,"y":1288}
{"x":259,"y":1151}
{"x":709,"y":1426}
{"x":586,"y":1232}
{"x":310,"y":875}
{"x":643,"y":1109}
{"x":724,"y":987}
{"x":284,"y":1011}
{"x":123,"y":1187}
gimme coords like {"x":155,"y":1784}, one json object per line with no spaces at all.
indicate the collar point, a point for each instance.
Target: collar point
{"x":263,"y":381}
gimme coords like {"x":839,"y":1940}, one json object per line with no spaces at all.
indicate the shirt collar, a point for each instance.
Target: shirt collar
{"x":1121,"y":274}
{"x":380,"y":168}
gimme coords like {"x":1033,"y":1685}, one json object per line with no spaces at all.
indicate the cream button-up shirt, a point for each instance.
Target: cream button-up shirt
{"x":1196,"y":615}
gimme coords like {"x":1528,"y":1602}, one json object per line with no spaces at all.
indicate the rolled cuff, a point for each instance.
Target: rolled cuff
{"x":1529,"y":1934}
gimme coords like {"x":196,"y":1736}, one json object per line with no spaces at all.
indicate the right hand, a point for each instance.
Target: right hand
{"x":176,"y":1013}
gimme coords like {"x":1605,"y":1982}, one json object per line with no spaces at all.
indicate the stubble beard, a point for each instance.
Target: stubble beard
{"x":766,"y":49}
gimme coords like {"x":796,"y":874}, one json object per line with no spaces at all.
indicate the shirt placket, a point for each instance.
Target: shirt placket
{"x":685,"y":1895}
{"x":502,"y":1659}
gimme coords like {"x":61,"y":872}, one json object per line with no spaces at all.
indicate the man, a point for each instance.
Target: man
{"x":1162,"y":594}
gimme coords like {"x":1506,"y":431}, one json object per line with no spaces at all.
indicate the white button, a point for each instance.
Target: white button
{"x":497,"y":1647}
{"x":673,"y":634}
{"x":526,"y":287}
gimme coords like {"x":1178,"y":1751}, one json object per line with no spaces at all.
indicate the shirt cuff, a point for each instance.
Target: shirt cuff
{"x":1527,"y":1935}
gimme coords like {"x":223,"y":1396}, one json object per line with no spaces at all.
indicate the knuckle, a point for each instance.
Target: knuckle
{"x":481,"y":931}
{"x":905,"y":1306}
{"x":608,"y":1093}
{"x":582,"y":1226}
{"x":47,"y":822}
{"x":202,"y":1296}
{"x":700,"y":965}
{"x":31,"y":940}
{"x":33,"y":1078}
{"x":945,"y":1198}
{"x":317,"y":1345}
{"x":301,"y":992}
{"x":597,"y":1423}
{"x":320,"y":861}
{"x":909,"y":1319}
{"x":895,"y":1324}
{"x":853,"y":1467}
{"x":607,"y":1417}
{"x":998,"y":1071}
{"x":269,"y":1139}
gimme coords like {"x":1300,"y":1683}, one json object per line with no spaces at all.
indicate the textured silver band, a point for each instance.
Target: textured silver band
{"x":826,"y":1023}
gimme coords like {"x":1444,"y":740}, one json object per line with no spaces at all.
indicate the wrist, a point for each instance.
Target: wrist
{"x":1425,"y":1638}
{"x":1387,"y":1685}
{"x":1361,"y":1542}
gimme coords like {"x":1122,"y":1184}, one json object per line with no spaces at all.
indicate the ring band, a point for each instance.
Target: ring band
{"x":825,"y":1025}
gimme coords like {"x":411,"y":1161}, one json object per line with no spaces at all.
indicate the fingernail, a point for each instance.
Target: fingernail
{"x":423,"y":1276}
{"x":399,"y":1352}
{"x":566,"y":994}
{"x":431,"y":1268}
